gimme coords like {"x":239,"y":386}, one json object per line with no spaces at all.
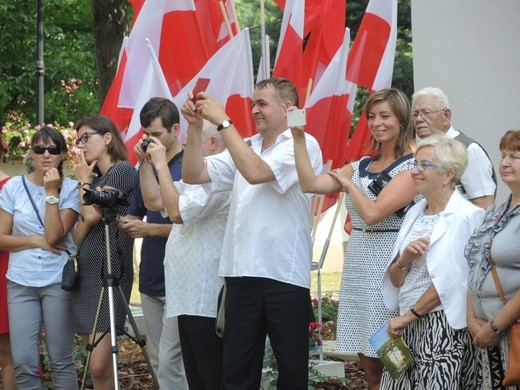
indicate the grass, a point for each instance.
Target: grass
{"x":330,"y":282}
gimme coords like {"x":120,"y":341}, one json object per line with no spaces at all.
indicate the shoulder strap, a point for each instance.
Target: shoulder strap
{"x":495,"y":277}
{"x":32,"y":201}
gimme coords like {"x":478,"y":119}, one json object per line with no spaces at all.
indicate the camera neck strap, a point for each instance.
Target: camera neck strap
{"x":34,"y":206}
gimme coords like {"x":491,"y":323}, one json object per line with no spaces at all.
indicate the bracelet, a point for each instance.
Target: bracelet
{"x":401,"y":267}
{"x":495,"y":329}
{"x":414,"y":312}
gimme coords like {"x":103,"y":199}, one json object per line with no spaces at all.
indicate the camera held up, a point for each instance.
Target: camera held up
{"x":145,"y":143}
{"x":104,"y":198}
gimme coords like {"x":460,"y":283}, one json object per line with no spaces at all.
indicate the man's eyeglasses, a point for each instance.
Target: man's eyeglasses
{"x":84,"y":137}
{"x":425,"y":113}
{"x":422,"y":165}
{"x":40,"y":149}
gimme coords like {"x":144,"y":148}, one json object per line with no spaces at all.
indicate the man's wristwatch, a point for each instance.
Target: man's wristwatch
{"x":224,"y":125}
{"x":51,"y":199}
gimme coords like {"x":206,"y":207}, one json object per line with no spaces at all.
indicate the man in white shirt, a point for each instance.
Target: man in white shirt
{"x":266,"y":253}
{"x":431,"y":112}
{"x":192,"y":258}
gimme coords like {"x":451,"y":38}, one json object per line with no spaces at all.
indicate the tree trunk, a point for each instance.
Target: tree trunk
{"x":110,"y":24}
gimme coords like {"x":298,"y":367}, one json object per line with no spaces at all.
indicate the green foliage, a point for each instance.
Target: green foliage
{"x":68,"y":55}
{"x":249,"y":16}
{"x":17,"y":132}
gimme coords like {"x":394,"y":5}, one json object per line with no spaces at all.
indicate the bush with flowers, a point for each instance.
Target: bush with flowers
{"x":18,"y":131}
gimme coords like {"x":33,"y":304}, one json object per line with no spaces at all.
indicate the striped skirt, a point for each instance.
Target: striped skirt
{"x":444,"y":358}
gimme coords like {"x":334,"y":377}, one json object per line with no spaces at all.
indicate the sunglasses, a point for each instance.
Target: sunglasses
{"x":40,"y":149}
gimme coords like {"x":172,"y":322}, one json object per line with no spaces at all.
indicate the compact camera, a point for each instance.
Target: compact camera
{"x":104,"y":198}
{"x":377,"y":185}
{"x":145,"y":143}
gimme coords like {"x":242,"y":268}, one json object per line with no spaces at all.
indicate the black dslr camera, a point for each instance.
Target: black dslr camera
{"x":377,"y":186}
{"x":104,"y":198}
{"x":145,"y":143}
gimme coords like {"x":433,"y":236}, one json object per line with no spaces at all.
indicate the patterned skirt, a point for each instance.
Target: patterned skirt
{"x":494,"y":366}
{"x":445,"y":358}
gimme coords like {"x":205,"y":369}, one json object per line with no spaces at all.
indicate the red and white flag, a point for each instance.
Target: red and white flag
{"x":154,"y":85}
{"x":323,"y":30}
{"x":230,"y":74}
{"x":288,"y":63}
{"x":330,"y":105}
{"x":374,"y":47}
{"x":174,"y":32}
{"x":120,"y":116}
{"x":218,"y":17}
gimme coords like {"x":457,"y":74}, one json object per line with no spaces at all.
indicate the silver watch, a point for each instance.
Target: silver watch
{"x":51,"y":199}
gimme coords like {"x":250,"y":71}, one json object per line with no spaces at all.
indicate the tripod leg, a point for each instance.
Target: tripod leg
{"x":113,"y":333}
{"x":138,"y":338}
{"x":93,"y":341}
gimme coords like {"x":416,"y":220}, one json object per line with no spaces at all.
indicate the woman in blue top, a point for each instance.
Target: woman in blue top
{"x":37,"y":214}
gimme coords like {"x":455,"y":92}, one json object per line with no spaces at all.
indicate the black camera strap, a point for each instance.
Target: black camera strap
{"x":34,"y":206}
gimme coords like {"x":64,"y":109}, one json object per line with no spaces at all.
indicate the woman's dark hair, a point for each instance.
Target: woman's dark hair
{"x":48,"y":134}
{"x":101,"y":124}
{"x":400,"y":106}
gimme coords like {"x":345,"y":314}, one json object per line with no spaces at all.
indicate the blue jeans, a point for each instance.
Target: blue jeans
{"x":28,"y":308}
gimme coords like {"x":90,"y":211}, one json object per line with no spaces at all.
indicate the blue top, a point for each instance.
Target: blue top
{"x":35,"y":267}
{"x":151,"y":269}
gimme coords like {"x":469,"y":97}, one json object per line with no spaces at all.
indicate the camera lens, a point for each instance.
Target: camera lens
{"x":105,"y":198}
{"x":145,"y":143}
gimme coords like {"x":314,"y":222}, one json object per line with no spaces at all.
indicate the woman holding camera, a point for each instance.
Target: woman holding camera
{"x":37,"y":214}
{"x":103,"y":167}
{"x":374,"y":219}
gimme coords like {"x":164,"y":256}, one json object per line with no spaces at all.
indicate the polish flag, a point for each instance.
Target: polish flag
{"x":175,"y":35}
{"x":323,"y":29}
{"x":234,"y":92}
{"x":218,"y":17}
{"x":137,"y":5}
{"x":154,"y":85}
{"x":375,"y":45}
{"x":330,"y":105}
{"x":120,"y":116}
{"x":288,"y":63}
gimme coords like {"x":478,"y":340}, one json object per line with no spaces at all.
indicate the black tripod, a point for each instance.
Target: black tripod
{"x":109,"y":282}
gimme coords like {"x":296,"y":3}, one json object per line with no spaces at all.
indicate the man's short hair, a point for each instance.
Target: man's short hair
{"x":284,"y":88}
{"x":440,"y":97}
{"x":161,"y":108}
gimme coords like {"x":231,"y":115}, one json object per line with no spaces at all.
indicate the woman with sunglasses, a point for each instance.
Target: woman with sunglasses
{"x":37,"y":214}
{"x":427,"y":274}
{"x":103,"y":165}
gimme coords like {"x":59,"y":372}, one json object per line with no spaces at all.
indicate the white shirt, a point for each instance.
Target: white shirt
{"x":192,"y":252}
{"x":268,"y":234}
{"x":36,"y":267}
{"x":477,"y":179}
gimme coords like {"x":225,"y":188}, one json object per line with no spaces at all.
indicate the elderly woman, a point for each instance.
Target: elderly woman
{"x":496,"y":242}
{"x":427,"y":275}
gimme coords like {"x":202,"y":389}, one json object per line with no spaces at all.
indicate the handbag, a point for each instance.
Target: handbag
{"x":70,"y":273}
{"x":512,"y":375}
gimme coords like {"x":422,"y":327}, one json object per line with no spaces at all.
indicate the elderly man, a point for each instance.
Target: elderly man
{"x":431,"y":112}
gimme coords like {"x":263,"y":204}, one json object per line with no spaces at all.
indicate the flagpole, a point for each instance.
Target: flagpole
{"x":234,"y":11}
{"x":225,"y":17}
{"x":266,"y":63}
